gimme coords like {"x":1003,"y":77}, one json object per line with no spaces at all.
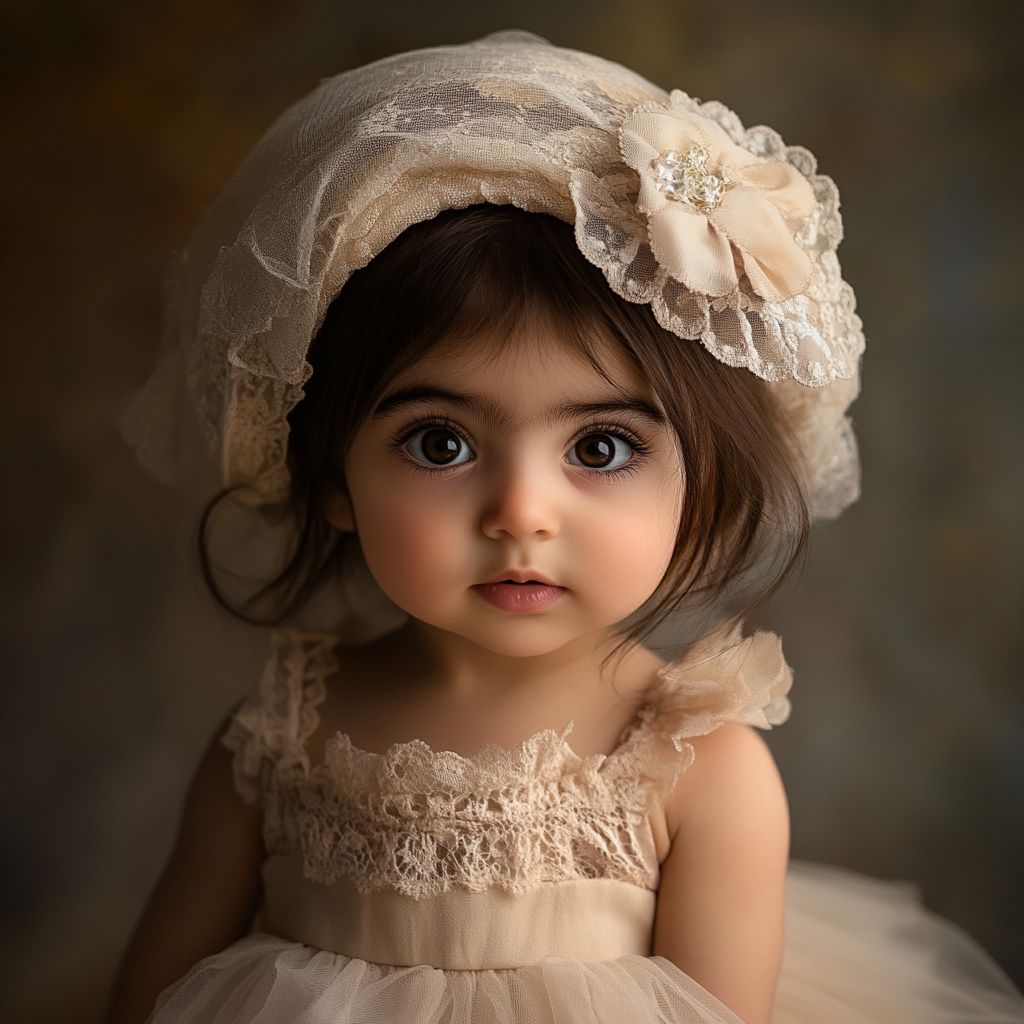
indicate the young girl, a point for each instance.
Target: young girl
{"x":544,"y":370}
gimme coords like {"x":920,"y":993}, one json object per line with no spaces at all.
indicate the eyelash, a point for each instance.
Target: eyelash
{"x":640,"y":448}
{"x":405,"y":435}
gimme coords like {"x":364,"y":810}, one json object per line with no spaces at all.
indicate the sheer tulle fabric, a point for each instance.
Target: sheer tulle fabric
{"x":860,"y":951}
{"x":265,"y":980}
{"x":857,"y":952}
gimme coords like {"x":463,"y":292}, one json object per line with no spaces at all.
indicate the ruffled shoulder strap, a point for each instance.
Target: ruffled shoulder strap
{"x":270,"y":728}
{"x":723,"y":677}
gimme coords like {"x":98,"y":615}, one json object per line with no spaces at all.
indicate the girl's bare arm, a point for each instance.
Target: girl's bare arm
{"x":721,"y":898}
{"x":205,"y":898}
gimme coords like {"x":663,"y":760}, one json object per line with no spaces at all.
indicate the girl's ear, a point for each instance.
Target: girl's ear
{"x":338,"y":512}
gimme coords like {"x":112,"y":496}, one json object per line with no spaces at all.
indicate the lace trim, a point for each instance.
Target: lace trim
{"x":268,"y":733}
{"x":813,"y":337}
{"x":422,"y":822}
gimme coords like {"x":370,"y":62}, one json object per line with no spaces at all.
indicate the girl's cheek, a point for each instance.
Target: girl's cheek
{"x":410,"y":543}
{"x":630,"y":541}
{"x":643,"y":512}
{"x":632,"y":560}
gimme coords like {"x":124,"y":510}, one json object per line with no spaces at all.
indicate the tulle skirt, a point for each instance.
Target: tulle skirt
{"x":857,"y":952}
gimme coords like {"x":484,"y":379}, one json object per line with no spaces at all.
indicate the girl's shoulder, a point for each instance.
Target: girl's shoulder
{"x":701,"y":710}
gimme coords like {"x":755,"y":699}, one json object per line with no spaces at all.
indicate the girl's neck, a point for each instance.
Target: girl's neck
{"x":448,"y":663}
{"x":424,"y":683}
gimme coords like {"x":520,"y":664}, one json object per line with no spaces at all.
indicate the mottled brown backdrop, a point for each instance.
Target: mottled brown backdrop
{"x":905,"y":755}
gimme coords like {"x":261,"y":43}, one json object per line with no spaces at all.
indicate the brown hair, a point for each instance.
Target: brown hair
{"x":744,"y":521}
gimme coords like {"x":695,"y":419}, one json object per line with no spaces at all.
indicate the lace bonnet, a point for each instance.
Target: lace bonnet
{"x":727,"y":233}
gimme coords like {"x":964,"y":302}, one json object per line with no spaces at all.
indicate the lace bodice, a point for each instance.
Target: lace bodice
{"x":423,"y":822}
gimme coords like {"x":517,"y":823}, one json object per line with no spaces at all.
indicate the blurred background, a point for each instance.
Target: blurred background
{"x":121,"y":121}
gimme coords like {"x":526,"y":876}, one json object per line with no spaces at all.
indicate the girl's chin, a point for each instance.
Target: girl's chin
{"x":521,"y":639}
{"x":525,"y":646}
{"x":528,"y":637}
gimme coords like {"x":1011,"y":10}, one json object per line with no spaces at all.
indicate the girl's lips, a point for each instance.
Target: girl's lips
{"x":519,"y":597}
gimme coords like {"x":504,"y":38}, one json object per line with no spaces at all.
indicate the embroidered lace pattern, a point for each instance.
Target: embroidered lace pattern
{"x":422,"y":822}
{"x":508,"y":119}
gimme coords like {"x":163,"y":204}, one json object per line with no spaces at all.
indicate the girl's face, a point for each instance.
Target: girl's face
{"x":514,"y":496}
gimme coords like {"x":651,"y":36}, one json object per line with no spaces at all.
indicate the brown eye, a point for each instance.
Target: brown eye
{"x":600,"y":451}
{"x":438,"y":446}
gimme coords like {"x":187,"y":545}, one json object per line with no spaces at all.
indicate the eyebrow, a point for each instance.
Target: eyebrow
{"x":414,"y":396}
{"x":497,"y":416}
{"x":629,"y":403}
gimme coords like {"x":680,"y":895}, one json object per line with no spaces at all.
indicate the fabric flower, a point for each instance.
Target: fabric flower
{"x":712,"y":205}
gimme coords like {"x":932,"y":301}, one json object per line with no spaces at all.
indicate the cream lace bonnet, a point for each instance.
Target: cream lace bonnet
{"x":727,"y":233}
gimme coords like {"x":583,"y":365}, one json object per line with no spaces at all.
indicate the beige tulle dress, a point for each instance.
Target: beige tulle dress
{"x":520,"y":885}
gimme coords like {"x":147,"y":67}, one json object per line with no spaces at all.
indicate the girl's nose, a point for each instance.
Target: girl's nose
{"x":521,"y":504}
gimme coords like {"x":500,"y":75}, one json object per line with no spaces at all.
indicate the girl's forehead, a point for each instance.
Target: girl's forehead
{"x":533,"y":363}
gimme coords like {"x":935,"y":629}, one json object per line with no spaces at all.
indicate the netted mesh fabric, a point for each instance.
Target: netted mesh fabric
{"x":509,"y":119}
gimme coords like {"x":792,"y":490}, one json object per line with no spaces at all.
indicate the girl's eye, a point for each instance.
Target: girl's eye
{"x":600,"y":451}
{"x":438,"y":446}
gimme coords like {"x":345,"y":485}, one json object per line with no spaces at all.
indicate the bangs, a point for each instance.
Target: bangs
{"x":487,"y":272}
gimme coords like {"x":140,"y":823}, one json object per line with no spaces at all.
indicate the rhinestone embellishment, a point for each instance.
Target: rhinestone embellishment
{"x":687,"y":177}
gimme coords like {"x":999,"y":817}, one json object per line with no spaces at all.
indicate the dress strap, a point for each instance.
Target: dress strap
{"x":270,"y":728}
{"x":723,"y":677}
